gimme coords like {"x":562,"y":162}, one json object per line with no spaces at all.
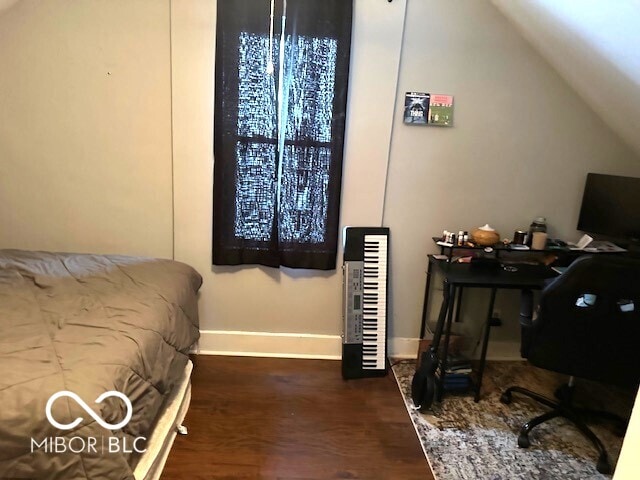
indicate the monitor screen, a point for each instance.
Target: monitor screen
{"x":611,"y":206}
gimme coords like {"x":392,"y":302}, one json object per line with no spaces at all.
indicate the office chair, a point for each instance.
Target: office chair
{"x":588,"y":326}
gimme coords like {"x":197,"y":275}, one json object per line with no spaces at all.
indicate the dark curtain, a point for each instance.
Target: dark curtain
{"x":280,"y":101}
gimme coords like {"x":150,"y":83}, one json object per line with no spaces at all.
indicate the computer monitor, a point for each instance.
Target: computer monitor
{"x":611,"y":207}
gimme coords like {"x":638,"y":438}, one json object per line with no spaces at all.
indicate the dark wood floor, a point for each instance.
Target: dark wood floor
{"x":267,"y":418}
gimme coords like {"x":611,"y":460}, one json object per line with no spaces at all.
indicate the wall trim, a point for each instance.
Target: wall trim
{"x":269,"y":344}
{"x":313,"y":346}
{"x":287,"y":345}
{"x":402,"y":348}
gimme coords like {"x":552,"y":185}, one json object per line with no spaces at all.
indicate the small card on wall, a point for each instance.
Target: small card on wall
{"x":428,"y":109}
{"x":416,"y":108}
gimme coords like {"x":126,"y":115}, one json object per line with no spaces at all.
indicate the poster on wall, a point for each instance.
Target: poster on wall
{"x":428,"y":109}
{"x":441,"y":110}
{"x":416,"y":107}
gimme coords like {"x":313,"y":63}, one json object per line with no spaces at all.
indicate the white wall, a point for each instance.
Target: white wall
{"x":521,"y":146}
{"x":85,"y":116}
{"x":91,"y":92}
{"x":261,"y":299}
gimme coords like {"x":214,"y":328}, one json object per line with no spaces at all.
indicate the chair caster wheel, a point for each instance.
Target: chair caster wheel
{"x":563,"y":392}
{"x":505,"y":398}
{"x":603,"y":465}
{"x":523,"y":441}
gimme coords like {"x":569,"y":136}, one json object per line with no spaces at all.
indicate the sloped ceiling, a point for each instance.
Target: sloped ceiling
{"x":595,"y":46}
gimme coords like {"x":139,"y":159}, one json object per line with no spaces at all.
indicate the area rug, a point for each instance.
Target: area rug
{"x":467,"y":440}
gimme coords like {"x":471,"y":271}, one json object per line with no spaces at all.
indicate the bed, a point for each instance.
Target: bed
{"x":92,"y":325}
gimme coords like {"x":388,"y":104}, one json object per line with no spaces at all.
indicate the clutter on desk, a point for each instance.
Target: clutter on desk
{"x":465,"y":259}
{"x":485,"y":236}
{"x":556,"y":244}
{"x":582,"y":243}
{"x":535,"y":241}
{"x":539,"y":224}
{"x":519,"y":238}
{"x":538,"y":240}
{"x":451,"y":239}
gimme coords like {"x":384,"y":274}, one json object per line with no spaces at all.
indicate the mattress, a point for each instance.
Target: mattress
{"x":91,"y":347}
{"x":166,"y":428}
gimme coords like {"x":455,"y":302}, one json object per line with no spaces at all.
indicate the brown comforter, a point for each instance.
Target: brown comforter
{"x":87,"y":324}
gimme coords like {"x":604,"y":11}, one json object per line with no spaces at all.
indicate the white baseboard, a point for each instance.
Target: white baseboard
{"x":287,"y":345}
{"x":305,"y":345}
{"x":401,"y":347}
{"x":267,"y":344}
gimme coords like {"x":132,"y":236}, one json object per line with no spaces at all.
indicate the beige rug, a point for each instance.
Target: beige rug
{"x":467,"y":440}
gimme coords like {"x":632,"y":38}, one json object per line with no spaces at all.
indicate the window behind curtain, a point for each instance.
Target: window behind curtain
{"x":279,"y":128}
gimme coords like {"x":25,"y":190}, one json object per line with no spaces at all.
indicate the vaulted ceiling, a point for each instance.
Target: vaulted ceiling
{"x":595,"y":46}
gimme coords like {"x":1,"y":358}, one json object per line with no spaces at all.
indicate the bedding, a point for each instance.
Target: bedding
{"x":88,"y":325}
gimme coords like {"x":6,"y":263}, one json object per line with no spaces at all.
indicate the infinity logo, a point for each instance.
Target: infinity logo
{"x":88,"y":409}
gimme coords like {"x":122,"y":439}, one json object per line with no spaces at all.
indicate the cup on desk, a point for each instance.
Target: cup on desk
{"x":519,"y":237}
{"x":539,"y":240}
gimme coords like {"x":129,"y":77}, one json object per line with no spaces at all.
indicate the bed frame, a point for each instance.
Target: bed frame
{"x":168,"y":425}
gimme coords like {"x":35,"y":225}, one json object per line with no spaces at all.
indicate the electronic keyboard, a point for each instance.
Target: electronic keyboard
{"x":365,"y":285}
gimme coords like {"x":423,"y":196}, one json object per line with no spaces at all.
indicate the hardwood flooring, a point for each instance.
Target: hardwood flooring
{"x":269,"y":418}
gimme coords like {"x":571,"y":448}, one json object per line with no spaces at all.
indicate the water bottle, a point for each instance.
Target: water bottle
{"x":539,"y":224}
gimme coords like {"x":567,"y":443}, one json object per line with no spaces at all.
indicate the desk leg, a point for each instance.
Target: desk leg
{"x":425,"y":303}
{"x":447,"y":336}
{"x":485,"y":343}
{"x":459,"y":305}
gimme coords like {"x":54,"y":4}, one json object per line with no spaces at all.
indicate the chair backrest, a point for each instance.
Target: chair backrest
{"x":588,"y":323}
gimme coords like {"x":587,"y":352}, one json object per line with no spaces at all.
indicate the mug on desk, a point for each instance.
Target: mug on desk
{"x":539,"y":240}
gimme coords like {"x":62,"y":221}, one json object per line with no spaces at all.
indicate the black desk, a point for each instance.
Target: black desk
{"x":500,"y":251}
{"x":459,"y":275}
